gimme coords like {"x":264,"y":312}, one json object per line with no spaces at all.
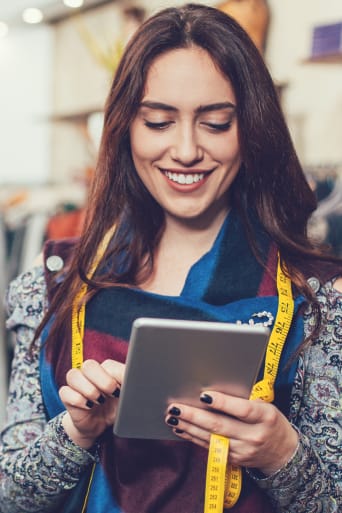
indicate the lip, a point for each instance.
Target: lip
{"x":186,"y":187}
{"x":187,"y":171}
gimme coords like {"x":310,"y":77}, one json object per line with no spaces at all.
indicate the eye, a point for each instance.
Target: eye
{"x":157,"y":126}
{"x":218,"y":127}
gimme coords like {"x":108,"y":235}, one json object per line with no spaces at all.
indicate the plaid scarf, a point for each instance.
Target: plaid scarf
{"x":156,"y":476}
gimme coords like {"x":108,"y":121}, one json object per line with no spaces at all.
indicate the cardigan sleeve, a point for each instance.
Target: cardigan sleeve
{"x":38,"y":461}
{"x":312,"y":480}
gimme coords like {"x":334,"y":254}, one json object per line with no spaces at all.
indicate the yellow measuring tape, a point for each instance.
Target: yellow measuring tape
{"x":78,"y":306}
{"x":223,"y":480}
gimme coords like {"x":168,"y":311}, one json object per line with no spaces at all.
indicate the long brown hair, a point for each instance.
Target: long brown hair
{"x":270,"y":182}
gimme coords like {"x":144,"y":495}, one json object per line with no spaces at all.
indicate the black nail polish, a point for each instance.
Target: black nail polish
{"x":101,"y":399}
{"x":116,"y":392}
{"x":174,"y":411}
{"x":205,"y":398}
{"x":179,"y":431}
{"x":89,"y":403}
{"x":172,"y":421}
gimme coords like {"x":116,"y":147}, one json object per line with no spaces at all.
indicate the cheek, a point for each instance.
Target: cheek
{"x":145,"y":149}
{"x":143,"y":156}
{"x":225,"y":148}
{"x":229,"y":157}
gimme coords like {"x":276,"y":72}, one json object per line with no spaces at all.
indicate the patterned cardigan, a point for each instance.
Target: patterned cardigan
{"x":39,"y":463}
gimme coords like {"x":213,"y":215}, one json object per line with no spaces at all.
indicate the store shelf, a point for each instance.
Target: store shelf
{"x":334,"y":58}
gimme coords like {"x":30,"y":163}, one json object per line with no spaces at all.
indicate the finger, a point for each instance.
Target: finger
{"x":76,"y":380}
{"x":115,"y":369}
{"x":188,"y":431}
{"x":205,"y":420}
{"x":245,"y":410}
{"x":98,"y":375}
{"x":72,"y":398}
{"x":177,"y":418}
{"x":187,"y":437}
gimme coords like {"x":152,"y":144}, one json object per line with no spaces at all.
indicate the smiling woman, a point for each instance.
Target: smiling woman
{"x":198,"y":210}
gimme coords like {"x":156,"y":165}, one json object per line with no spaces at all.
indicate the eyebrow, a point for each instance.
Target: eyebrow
{"x":203,"y":108}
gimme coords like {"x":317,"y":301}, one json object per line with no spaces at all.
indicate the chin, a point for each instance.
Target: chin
{"x":193,"y":217}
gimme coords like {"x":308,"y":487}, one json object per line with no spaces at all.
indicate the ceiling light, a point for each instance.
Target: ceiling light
{"x":73,"y":3}
{"x":3,"y":29}
{"x":32,"y":15}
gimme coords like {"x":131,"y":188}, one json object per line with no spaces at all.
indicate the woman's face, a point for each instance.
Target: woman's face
{"x":184,"y":139}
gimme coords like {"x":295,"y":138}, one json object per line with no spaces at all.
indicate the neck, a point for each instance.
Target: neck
{"x":181,"y":245}
{"x":191,"y":235}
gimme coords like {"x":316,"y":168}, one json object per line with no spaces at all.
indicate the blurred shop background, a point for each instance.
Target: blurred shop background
{"x":57,"y":58}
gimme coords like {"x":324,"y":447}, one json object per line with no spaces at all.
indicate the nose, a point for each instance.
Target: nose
{"x":186,"y":148}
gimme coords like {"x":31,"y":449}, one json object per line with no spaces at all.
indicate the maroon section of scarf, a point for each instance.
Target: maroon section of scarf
{"x":268,"y":285}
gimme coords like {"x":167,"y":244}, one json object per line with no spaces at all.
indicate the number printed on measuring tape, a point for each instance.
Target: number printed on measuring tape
{"x":216,"y":471}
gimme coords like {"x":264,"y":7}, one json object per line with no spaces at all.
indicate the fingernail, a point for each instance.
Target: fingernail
{"x":174,"y":411}
{"x":89,"y":403}
{"x":116,"y":392}
{"x":179,"y":431}
{"x":172,"y":421}
{"x":206,"y":398}
{"x":101,"y":399}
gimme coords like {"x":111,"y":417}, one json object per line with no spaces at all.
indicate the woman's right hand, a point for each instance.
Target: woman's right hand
{"x":91,"y":398}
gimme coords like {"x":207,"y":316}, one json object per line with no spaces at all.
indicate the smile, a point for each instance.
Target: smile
{"x":184,"y":179}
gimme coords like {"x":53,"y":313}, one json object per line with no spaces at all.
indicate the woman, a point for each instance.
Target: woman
{"x":198,"y":175}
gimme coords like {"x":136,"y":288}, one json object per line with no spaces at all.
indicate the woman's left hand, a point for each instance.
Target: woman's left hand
{"x":260,"y":435}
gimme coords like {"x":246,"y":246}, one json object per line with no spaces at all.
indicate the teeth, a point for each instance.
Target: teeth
{"x":187,"y":179}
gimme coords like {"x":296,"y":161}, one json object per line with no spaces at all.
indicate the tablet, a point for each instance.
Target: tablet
{"x":175,"y":360}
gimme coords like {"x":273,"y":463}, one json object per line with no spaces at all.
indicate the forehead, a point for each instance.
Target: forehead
{"x":184,"y":74}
